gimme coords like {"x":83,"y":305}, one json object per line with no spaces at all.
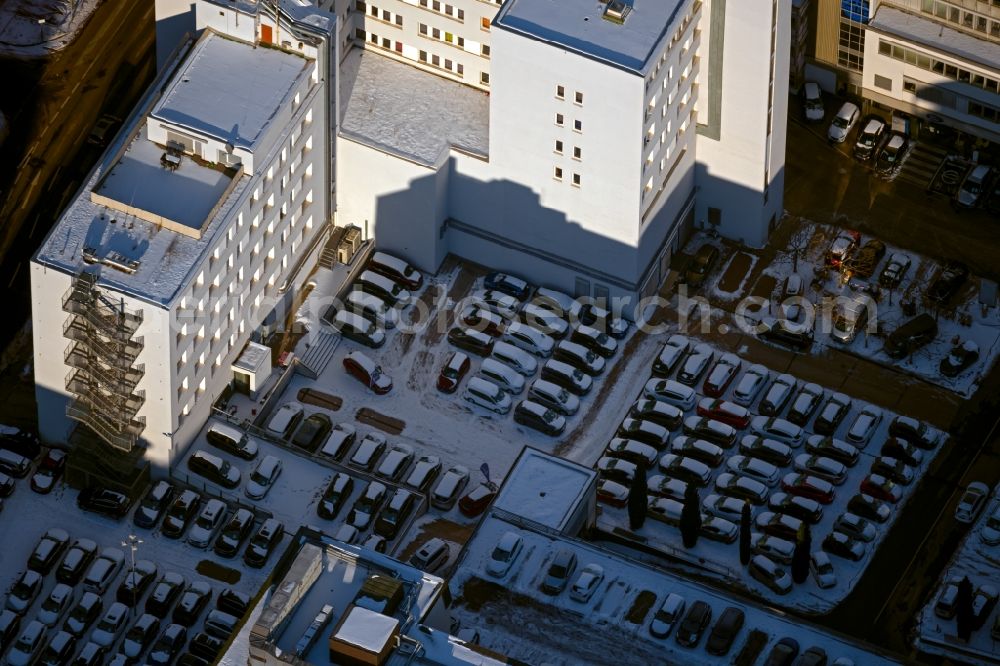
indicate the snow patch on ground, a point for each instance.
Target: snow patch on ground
{"x":36,"y":28}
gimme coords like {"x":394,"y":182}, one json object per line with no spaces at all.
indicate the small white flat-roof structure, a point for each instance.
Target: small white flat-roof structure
{"x":229,"y":90}
{"x":545,"y":489}
{"x":579,"y":25}
{"x":398,"y":109}
{"x":367,"y":629}
{"x":935,"y":35}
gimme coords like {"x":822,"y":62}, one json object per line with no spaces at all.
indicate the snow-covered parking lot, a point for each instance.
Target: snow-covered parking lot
{"x":27,"y":516}
{"x":514,"y":617}
{"x":714,"y":464}
{"x":978,"y":558}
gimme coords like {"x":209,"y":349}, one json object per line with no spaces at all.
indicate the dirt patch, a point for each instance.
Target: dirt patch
{"x":736,"y":273}
{"x":384,"y":423}
{"x":311,"y":396}
{"x":764,"y":287}
{"x":640,"y":607}
{"x":441,"y":528}
{"x":216,"y":571}
{"x":423,"y":360}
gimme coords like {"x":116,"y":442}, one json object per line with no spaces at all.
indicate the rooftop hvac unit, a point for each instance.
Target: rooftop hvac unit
{"x":349,"y":244}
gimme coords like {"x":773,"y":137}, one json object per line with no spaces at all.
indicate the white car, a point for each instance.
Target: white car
{"x":855,"y":527}
{"x":586,"y":583}
{"x":55,"y":605}
{"x":779,"y":429}
{"x":487,"y":395}
{"x":812,"y":101}
{"x":529,"y":339}
{"x":517,"y":359}
{"x":451,"y":485}
{"x":671,"y":392}
{"x":843,"y":122}
{"x":579,"y":356}
{"x":778,"y":395}
{"x":750,"y":384}
{"x":864,"y":426}
{"x":501,"y":303}
{"x":111,"y":625}
{"x":368,"y":451}
{"x":502,"y":375}
{"x":821,"y":466}
{"x":395,"y":462}
{"x":822,"y":570}
{"x":723,"y":506}
{"x":26,"y":649}
{"x":695,"y":365}
{"x":104,"y":570}
{"x":544,"y":320}
{"x":285,"y":419}
{"x":263,"y":477}
{"x":778,"y":549}
{"x":971,"y":502}
{"x":207,"y":524}
{"x":504,"y":554}
{"x":673,"y":351}
{"x":755,"y":468}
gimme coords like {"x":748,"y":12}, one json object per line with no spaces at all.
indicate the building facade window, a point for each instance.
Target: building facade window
{"x":559,"y":146}
{"x":560,"y":92}
{"x":559,"y":119}
{"x":579,"y":98}
{"x":578,"y":125}
{"x":484,"y":78}
{"x":557,"y":173}
{"x":576,"y":180}
{"x":577,"y":153}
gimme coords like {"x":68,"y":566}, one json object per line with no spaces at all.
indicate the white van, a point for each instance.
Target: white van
{"x":516,"y":358}
{"x":487,"y":394}
{"x":502,"y":375}
{"x":380,"y":285}
{"x":355,"y":327}
{"x":554,"y":397}
{"x":371,"y":307}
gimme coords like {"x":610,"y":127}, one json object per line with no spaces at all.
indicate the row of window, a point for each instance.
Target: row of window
{"x":577,"y":150}
{"x":561,"y":95}
{"x":962,"y":17}
{"x":445,"y":63}
{"x":851,"y":54}
{"x":561,"y":122}
{"x":443,"y":8}
{"x":382,"y":15}
{"x":931,"y":64}
{"x":449,"y":38}
{"x":557,"y":174}
{"x":984,"y":111}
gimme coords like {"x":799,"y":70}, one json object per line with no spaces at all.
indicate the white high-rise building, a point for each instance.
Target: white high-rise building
{"x":198,"y":222}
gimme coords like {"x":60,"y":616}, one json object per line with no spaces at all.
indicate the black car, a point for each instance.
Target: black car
{"x":720,"y":640}
{"x":831,"y":414}
{"x":892,"y":152}
{"x":166,"y":592}
{"x":234,"y":533}
{"x":136,"y":582}
{"x":340,"y":489}
{"x":783,"y":653}
{"x":59,"y":650}
{"x":104,"y":501}
{"x":6,"y":485}
{"x":153,"y":504}
{"x":205,"y":646}
{"x":313,"y":432}
{"x":10,"y":628}
{"x":48,"y":550}
{"x":693,"y":625}
{"x":233,"y":602}
{"x":911,"y":335}
{"x":701,"y":265}
{"x":21,"y":442}
{"x":168,"y":646}
{"x":508,"y":284}
{"x":900,"y":449}
{"x":83,"y":614}
{"x":951,"y":278}
{"x":475,"y":342}
{"x":188,"y":659}
{"x":192,"y":603}
{"x":394,"y":515}
{"x":215,"y":469}
{"x":961,"y":357}
{"x":182,"y":510}
{"x":869,"y":508}
{"x":75,"y":563}
{"x":870,"y":133}
{"x":263,"y":543}
{"x":50,"y":469}
{"x":781,"y":332}
{"x":92,"y":654}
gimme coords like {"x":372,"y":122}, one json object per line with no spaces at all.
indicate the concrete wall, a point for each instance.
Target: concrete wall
{"x":174,"y":19}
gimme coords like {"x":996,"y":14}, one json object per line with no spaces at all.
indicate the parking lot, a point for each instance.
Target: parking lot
{"x":722,"y":559}
{"x":27,"y":516}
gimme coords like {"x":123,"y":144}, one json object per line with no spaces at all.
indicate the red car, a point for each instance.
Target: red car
{"x":722,"y":410}
{"x":805,"y":485}
{"x":368,"y":372}
{"x":49,"y":471}
{"x":879,"y":487}
{"x":721,"y":375}
{"x":477,"y":500}
{"x":456,"y":366}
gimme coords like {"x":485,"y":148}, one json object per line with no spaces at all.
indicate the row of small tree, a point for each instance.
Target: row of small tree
{"x":638,"y":505}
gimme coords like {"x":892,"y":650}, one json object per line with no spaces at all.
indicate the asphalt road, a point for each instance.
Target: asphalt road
{"x":47,"y":157}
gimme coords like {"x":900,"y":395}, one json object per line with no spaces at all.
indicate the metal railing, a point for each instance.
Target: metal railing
{"x":124,"y":439}
{"x":118,"y":352}
{"x":121,"y":379}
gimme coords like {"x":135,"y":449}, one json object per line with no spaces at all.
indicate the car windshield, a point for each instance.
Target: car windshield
{"x":842,"y":324}
{"x":51,"y":604}
{"x":21,"y":590}
{"x":557,"y":571}
{"x":501,"y":554}
{"x":79,"y":613}
{"x":203,"y":521}
{"x":259,"y":478}
{"x":840,"y":122}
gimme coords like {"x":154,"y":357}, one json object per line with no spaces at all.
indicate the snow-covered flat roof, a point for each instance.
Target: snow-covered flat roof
{"x":579,"y":25}
{"x":367,"y":629}
{"x":938,"y":36}
{"x":401,"y":110}
{"x":230,"y":90}
{"x":544,"y":489}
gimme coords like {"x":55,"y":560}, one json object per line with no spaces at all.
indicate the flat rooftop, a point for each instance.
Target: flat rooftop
{"x":230,"y":90}
{"x":544,"y":489}
{"x":579,"y":25}
{"x":938,"y":36}
{"x":397,"y":108}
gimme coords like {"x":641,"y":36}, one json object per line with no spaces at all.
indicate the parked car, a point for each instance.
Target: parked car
{"x":971,"y":503}
{"x":843,"y":122}
{"x":83,"y":614}
{"x":674,"y":349}
{"x":313,"y":432}
{"x":667,"y":615}
{"x":721,"y":375}
{"x":529,"y":339}
{"x":911,"y":335}
{"x":168,"y":646}
{"x":833,"y":448}
{"x":812,"y":102}
{"x":900,"y":449}
{"x":48,"y":550}
{"x":881,"y":488}
{"x":153,"y":504}
{"x":367,"y":505}
{"x":821,"y":569}
{"x":49,"y":471}
{"x":192,"y":603}
{"x":701,"y":265}
{"x":395,"y":514}
{"x":140,"y":636}
{"x":864,"y":426}
{"x":715,"y":528}
{"x":24,"y":591}
{"x":632,"y":451}
{"x":508,"y":284}
{"x":913,"y":431}
{"x":893,"y":151}
{"x":487,"y":395}
{"x":554,"y":397}
{"x":540,"y":418}
{"x":339,"y":441}
{"x":616,"y":469}
{"x":794,"y":336}
{"x":111,"y":625}
{"x":725,"y":411}
{"x":723,"y":506}
{"x":777,"y":395}
{"x":395,"y":269}
{"x":695,"y":365}
{"x":805,"y":485}
{"x":214,"y":468}
{"x":386,"y":288}
{"x":569,"y":377}
{"x":741,"y":487}
{"x":841,"y":545}
{"x":699,"y":449}
{"x":166,"y":591}
{"x":714,"y":431}
{"x":477,"y":499}
{"x":686,"y":469}
{"x":724,"y":633}
{"x":579,"y":357}
{"x":104,"y":501}
{"x":869,"y":507}
{"x":842,"y":248}
{"x":263,"y":543}
{"x":777,"y":428}
{"x":603,"y":320}
{"x":521,"y":361}
{"x":895,"y":270}
{"x":972,"y":192}
{"x":780,"y":525}
{"x":28,"y":645}
{"x":425,"y":471}
{"x":369,"y":451}
{"x":754,"y":468}
{"x":504,"y":554}
{"x":959,"y":359}
{"x":559,"y":571}
{"x":368,"y":372}
{"x":182,"y":510}
{"x":396,"y":462}
{"x":55,"y":605}
{"x":644,"y":431}
{"x":750,"y":385}
{"x":893,"y":469}
{"x":207,"y":524}
{"x":949,"y":280}
{"x":870,"y":135}
{"x":286,"y":419}
{"x":664,"y":486}
{"x":596,"y":341}
{"x":234,"y":533}
{"x":502,"y":375}
{"x":481,"y":319}
{"x":544,"y":320}
{"x":586,"y":583}
{"x":855,"y":527}
{"x":451,"y":485}
{"x":373,"y":308}
{"x":661,"y":413}
{"x":358,"y":328}
{"x":803,"y":508}
{"x":557,"y":302}
{"x":503,"y":304}
{"x":432,"y":556}
{"x":768,"y":450}
{"x":671,"y":392}
{"x":806,"y":402}
{"x":832,"y":413}
{"x":822,"y":467}
{"x":776,"y":548}
{"x":695,"y":621}
{"x":75,"y":561}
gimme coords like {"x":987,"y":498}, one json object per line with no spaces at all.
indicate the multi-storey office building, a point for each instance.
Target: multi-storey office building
{"x":195,"y":225}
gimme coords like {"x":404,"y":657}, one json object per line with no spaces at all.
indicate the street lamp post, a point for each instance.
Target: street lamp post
{"x":133,"y":545}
